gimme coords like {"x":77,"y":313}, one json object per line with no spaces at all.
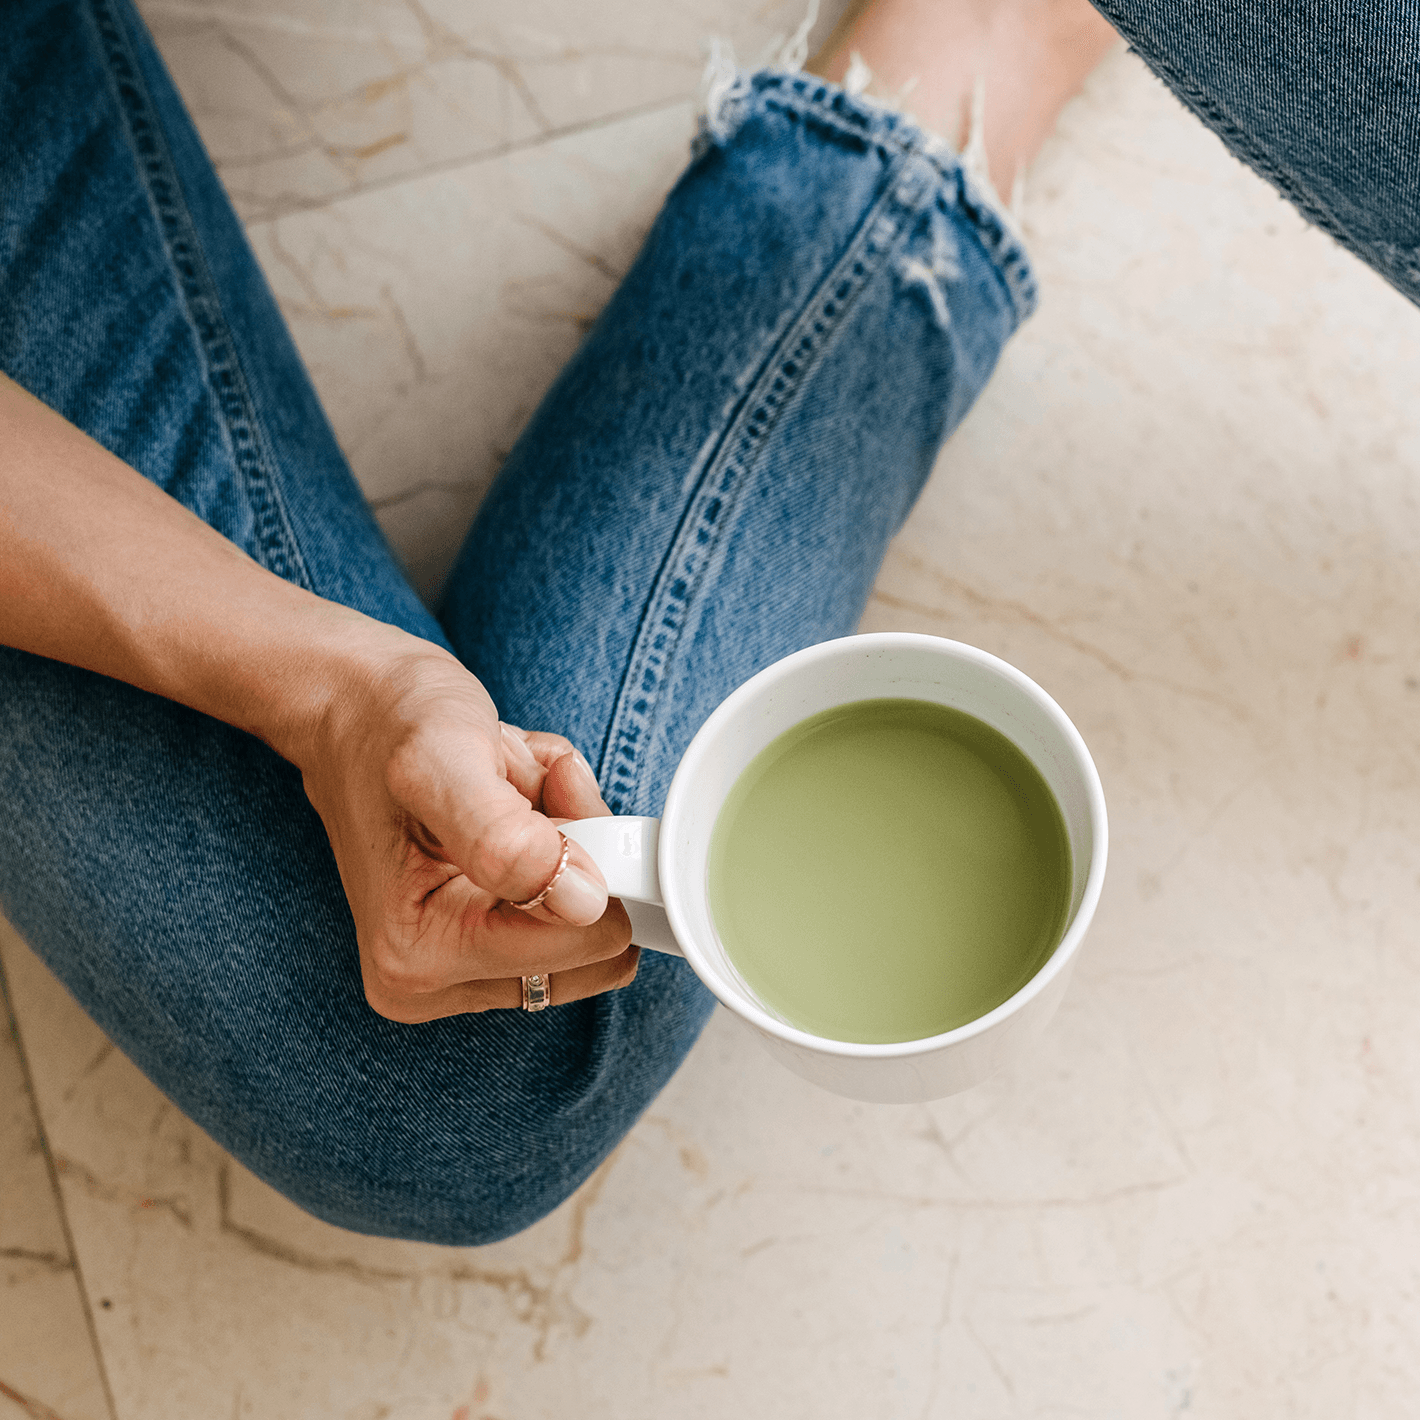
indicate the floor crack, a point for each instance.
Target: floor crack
{"x":35,"y":1409}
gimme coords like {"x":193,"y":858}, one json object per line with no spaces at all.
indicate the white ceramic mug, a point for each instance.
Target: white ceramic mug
{"x":659,"y":867}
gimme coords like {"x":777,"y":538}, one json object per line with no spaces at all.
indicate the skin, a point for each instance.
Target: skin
{"x":1032,"y":56}
{"x":440,"y":816}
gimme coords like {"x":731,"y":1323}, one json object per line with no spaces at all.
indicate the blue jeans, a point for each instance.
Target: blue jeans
{"x":1322,"y":97}
{"x":711,"y":484}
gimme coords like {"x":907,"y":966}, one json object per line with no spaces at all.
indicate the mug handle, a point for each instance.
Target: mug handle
{"x":624,"y":848}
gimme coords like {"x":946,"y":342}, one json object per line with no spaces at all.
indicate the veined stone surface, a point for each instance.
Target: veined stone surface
{"x":48,"y":1360}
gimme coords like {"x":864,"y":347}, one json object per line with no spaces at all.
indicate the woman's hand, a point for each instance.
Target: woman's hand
{"x":441,"y":818}
{"x":438,"y":815}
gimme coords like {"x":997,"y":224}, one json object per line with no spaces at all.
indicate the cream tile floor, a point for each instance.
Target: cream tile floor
{"x":1186,"y":504}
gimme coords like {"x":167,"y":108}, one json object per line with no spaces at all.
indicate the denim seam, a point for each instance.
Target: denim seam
{"x":791,"y":357}
{"x":275,"y":540}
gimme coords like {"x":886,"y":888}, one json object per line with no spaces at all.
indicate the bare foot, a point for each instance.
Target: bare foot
{"x":1031,"y":55}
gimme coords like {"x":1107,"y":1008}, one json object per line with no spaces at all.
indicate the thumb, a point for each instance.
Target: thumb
{"x":491,"y":832}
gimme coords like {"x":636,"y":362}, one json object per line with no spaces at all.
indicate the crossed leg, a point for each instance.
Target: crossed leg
{"x":711,"y":483}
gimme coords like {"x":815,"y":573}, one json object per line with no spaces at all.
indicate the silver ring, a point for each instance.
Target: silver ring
{"x":537,"y":992}
{"x":552,"y":881}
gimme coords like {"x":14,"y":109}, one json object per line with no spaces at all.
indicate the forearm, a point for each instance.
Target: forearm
{"x":102,"y":569}
{"x":438,"y":815}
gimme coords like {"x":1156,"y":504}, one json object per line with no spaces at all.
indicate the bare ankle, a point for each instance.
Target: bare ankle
{"x":1029,"y":56}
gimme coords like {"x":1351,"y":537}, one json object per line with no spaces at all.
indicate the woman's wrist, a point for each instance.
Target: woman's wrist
{"x":303,"y":674}
{"x":102,"y":569}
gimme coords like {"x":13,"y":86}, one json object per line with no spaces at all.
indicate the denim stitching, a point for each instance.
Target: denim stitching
{"x":910,"y":185}
{"x":275,"y":540}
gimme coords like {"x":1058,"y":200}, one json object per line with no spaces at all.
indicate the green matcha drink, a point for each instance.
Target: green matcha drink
{"x":889,"y":870}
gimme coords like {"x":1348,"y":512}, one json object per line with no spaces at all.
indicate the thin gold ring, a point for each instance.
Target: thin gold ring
{"x":552,"y":881}
{"x":537,"y":992}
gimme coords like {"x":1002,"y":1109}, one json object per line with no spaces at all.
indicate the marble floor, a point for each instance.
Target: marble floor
{"x":1187,"y":505}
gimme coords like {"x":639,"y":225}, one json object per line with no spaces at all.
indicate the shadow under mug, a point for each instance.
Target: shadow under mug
{"x":659,"y":868}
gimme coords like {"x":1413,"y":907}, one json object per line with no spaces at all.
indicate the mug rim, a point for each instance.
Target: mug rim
{"x":682,"y":787}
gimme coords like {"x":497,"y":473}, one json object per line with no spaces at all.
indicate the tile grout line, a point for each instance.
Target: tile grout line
{"x":13,"y":1024}
{"x":449,"y":165}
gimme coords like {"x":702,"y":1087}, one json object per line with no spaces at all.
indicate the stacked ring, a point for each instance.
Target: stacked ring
{"x":552,"y":881}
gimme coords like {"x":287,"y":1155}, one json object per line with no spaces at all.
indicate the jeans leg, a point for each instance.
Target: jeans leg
{"x":1322,"y":97}
{"x":714,"y":478}
{"x":131,"y":303}
{"x":168,"y":868}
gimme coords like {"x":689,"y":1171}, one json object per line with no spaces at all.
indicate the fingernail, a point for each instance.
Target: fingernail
{"x":589,"y":780}
{"x":576,"y":898}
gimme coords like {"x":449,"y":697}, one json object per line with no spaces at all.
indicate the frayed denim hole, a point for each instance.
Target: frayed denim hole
{"x":933,"y":271}
{"x":725,"y":100}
